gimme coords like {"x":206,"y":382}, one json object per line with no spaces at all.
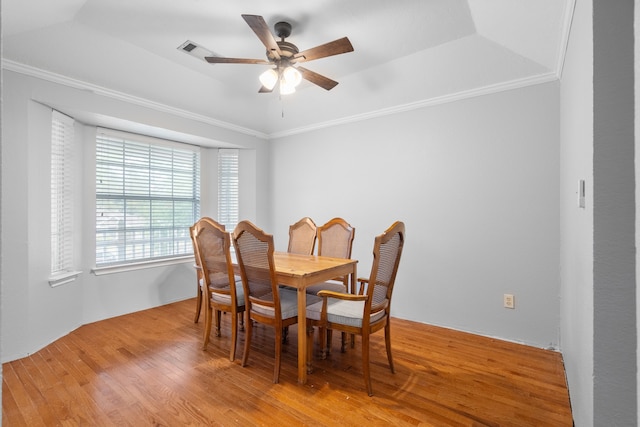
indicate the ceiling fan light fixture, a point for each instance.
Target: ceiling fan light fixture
{"x":269,"y":78}
{"x":291,"y":76}
{"x":285,"y":88}
{"x":289,"y":79}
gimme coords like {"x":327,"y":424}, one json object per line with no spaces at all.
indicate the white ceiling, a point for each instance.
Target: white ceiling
{"x":407,"y":53}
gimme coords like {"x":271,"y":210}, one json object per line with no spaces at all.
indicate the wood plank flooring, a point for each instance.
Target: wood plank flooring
{"x":148,"y":369}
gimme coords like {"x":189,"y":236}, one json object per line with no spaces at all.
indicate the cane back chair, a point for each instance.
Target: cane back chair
{"x":369,"y":310}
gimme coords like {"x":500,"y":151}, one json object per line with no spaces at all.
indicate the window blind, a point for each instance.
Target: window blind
{"x":228,"y":188}
{"x":61,"y":193}
{"x":147,"y":197}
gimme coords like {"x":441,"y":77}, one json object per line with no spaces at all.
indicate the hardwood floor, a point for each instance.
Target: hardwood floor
{"x":147,"y":368}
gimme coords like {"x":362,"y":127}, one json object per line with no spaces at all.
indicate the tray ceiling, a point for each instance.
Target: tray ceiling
{"x":408,"y":53}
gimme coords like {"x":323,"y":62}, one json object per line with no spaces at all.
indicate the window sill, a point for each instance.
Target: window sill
{"x":63,"y":278}
{"x":121,"y":268}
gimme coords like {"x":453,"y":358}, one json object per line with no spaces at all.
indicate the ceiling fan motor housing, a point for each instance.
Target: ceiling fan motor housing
{"x":283,"y":29}
{"x":287,"y":50}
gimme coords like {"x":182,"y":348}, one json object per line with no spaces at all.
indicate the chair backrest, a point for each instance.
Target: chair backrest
{"x":254,"y":252}
{"x":192,"y":231}
{"x":335,"y":239}
{"x":212,"y":245}
{"x":302,"y":237}
{"x":387,"y":249}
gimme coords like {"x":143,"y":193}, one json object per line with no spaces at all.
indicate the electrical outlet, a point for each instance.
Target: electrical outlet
{"x":509,"y":301}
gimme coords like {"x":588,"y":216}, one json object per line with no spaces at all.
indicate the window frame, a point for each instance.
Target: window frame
{"x":62,"y":268}
{"x":183,"y":193}
{"x":229,"y":187}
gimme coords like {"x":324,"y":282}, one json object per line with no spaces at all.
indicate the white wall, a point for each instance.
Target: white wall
{"x":476,"y":183}
{"x":577,"y":224}
{"x":33,"y":313}
{"x":598,"y":249}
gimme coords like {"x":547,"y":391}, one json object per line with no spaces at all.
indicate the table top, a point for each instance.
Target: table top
{"x":300,"y":265}
{"x":303,"y":270}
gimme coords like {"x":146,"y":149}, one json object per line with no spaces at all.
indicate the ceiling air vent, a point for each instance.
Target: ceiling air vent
{"x":196,"y":50}
{"x":189,"y":47}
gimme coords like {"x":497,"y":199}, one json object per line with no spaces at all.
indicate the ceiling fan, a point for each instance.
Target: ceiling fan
{"x":284,"y":56}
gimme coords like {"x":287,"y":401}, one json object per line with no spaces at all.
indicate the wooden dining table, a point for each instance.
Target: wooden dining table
{"x":299,"y":272}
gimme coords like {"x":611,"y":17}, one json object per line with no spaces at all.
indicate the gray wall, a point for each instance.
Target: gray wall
{"x":33,"y":313}
{"x":636,"y":14}
{"x":614,"y":215}
{"x":475,"y":181}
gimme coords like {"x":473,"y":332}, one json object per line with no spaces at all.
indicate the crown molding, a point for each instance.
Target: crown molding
{"x":99,"y":90}
{"x":120,"y":96}
{"x":564,"y":37}
{"x":485,"y":90}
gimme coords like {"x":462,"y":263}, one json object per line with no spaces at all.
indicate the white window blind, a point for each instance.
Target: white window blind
{"x":228,"y":188}
{"x":61,"y":193}
{"x":147,"y":197}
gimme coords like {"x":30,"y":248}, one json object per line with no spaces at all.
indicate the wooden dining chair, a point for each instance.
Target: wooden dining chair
{"x":302,"y":240}
{"x":198,"y":269}
{"x":266,"y":302}
{"x":335,"y":240}
{"x":302,"y":237}
{"x":221,"y":292}
{"x":367,"y":311}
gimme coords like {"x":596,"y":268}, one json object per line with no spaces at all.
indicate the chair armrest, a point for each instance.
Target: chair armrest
{"x":339,"y":295}
{"x":363,"y":281}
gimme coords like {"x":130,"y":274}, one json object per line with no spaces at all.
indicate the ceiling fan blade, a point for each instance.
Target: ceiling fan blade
{"x":260,"y":27}
{"x":335,"y":47}
{"x":219,"y":60}
{"x":318,"y":79}
{"x":265,"y":90}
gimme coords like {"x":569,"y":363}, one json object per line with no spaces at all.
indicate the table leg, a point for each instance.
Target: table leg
{"x":302,"y":336}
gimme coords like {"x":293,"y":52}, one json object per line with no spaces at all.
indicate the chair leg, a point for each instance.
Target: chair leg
{"x":387,"y":340}
{"x":198,"y":303}
{"x":309,"y":349}
{"x":218,"y":315}
{"x":323,"y":333}
{"x":327,"y":347}
{"x":241,"y":314}
{"x":234,"y":335}
{"x":276,"y":368}
{"x":247,"y":339}
{"x":365,"y":363}
{"x":207,"y":327}
{"x":285,"y":334}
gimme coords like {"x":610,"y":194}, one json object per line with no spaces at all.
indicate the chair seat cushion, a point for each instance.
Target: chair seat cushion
{"x":225,"y":298}
{"x":342,"y":312}
{"x":326,"y":286}
{"x":288,"y":303}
